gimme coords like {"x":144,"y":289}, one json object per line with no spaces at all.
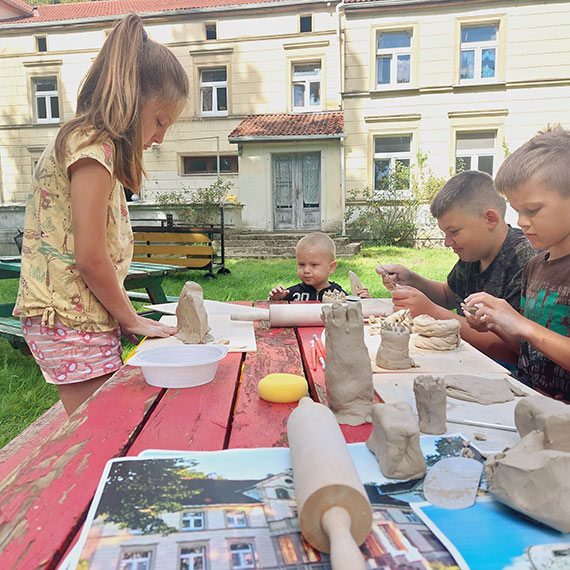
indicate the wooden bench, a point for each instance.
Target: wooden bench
{"x":192,"y":250}
{"x":11,"y":329}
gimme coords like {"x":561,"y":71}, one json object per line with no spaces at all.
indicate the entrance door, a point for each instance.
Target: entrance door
{"x":297,"y":190}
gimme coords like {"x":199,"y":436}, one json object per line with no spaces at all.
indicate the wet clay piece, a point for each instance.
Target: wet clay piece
{"x":436,"y":335}
{"x":473,"y":388}
{"x":549,"y":416}
{"x":356,"y":285}
{"x":533,"y":481}
{"x":348,"y":373}
{"x":431,"y":402}
{"x":333,"y":297}
{"x":192,"y":317}
{"x":394,"y":350}
{"x":395,"y":441}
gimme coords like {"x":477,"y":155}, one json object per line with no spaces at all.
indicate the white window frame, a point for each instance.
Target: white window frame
{"x":135,"y":563}
{"x":306,"y":81}
{"x":476,"y":153}
{"x":192,"y":556}
{"x":47,"y":96}
{"x":214,"y":86}
{"x":242,"y":565}
{"x":478,"y":48}
{"x":393,"y":157}
{"x":236,"y":519}
{"x":394,"y":54}
{"x":191,"y":517}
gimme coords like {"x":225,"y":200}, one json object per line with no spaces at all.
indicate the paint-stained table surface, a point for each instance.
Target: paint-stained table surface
{"x":49,"y":473}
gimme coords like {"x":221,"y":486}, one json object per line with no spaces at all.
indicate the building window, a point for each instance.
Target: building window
{"x":306,"y":23}
{"x":236,"y":519}
{"x":393,"y":58}
{"x":41,"y":43}
{"x":46,"y":99}
{"x":478,"y":57}
{"x":209,"y":164}
{"x":211,"y":31}
{"x":282,"y":493}
{"x":193,"y":520}
{"x":214,"y":91}
{"x":193,"y":558}
{"x":307,"y":86}
{"x":140,"y":560}
{"x":475,"y":151}
{"x":242,"y":555}
{"x":392,"y":156}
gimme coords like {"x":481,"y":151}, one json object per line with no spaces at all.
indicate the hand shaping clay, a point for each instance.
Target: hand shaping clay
{"x":333,"y":297}
{"x":436,"y":335}
{"x":473,"y":388}
{"x":431,"y":402}
{"x":192,"y":317}
{"x":395,"y":441}
{"x":533,"y":481}
{"x":549,"y":416}
{"x":394,"y":350}
{"x":348,"y":373}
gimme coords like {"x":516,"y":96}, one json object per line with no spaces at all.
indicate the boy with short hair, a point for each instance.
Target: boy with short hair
{"x":316,"y":260}
{"x":536,"y":181}
{"x":492,"y":254}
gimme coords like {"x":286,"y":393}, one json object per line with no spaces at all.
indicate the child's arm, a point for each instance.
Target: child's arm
{"x":278,"y":293}
{"x":364,"y":293}
{"x":512,"y":326}
{"x":90,"y":188}
{"x":394,"y":274}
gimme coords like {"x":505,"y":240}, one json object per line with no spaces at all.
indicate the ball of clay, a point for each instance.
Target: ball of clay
{"x":282,"y":388}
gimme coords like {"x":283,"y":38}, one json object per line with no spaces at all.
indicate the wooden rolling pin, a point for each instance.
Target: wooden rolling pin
{"x":305,"y":314}
{"x":334,"y":511}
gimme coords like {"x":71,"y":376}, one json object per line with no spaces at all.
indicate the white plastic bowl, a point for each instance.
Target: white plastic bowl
{"x":179,"y":366}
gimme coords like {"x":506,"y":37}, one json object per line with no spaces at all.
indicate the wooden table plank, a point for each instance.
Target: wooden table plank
{"x":194,"y":418}
{"x":44,"y":500}
{"x":277,"y":351}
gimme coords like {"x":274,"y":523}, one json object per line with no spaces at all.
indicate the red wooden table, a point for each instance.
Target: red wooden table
{"x":50,"y":472}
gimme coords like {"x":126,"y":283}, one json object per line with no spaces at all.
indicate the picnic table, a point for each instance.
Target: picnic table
{"x":147,"y":276}
{"x":49,"y":473}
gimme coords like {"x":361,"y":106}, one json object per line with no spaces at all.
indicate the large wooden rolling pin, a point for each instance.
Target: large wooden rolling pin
{"x":334,"y":510}
{"x":305,"y":314}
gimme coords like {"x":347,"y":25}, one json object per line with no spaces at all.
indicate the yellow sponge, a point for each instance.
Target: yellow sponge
{"x":282,"y":388}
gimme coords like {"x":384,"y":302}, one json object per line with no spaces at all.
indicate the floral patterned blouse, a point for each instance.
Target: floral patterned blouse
{"x":50,"y":283}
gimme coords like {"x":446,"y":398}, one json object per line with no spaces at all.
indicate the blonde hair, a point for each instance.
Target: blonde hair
{"x":318,"y":240}
{"x":471,"y":191}
{"x":545,"y":157}
{"x":129,"y":71}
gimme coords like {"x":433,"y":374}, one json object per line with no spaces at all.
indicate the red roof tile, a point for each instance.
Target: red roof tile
{"x":81,"y":10}
{"x":290,"y":125}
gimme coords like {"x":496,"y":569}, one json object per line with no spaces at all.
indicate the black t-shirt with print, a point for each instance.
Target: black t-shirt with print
{"x":302,"y":292}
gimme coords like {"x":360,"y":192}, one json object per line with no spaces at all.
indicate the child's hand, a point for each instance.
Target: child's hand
{"x":278,"y":293}
{"x":364,"y":293}
{"x":493,"y":313}
{"x":142,"y":326}
{"x":413,"y":299}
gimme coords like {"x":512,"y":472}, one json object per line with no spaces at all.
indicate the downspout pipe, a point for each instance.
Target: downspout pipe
{"x":339,"y":39}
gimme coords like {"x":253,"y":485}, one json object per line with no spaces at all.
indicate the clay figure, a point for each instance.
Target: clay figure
{"x":334,"y":296}
{"x":431,"y":402}
{"x":533,"y":480}
{"x":549,"y":416}
{"x":436,"y":334}
{"x":348,"y":373}
{"x":356,"y":285}
{"x":395,"y":441}
{"x":192,"y":317}
{"x":473,"y":388}
{"x":394,"y":350}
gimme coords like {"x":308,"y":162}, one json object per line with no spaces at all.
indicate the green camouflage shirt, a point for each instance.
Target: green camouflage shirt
{"x":503,"y":276}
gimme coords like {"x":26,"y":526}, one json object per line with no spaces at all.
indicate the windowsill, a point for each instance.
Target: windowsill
{"x":479,"y":85}
{"x":390,"y":90}
{"x":215,"y":115}
{"x":305,"y":110}
{"x":205,"y":174}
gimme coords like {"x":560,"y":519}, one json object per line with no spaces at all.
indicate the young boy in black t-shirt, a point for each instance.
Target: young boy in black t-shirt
{"x":315,"y":255}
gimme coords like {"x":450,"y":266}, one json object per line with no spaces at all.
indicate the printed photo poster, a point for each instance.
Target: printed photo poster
{"x":236,"y":509}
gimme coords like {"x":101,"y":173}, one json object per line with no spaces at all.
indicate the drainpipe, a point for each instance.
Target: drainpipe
{"x":339,"y":43}
{"x":340,"y":106}
{"x":342,"y":185}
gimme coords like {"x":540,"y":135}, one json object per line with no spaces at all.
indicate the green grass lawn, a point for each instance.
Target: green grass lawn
{"x":25,"y":394}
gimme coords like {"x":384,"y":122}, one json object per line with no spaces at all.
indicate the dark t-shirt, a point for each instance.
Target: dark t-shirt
{"x":501,"y":279}
{"x":545,"y":299}
{"x":302,"y":292}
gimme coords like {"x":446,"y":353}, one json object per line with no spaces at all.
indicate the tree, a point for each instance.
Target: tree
{"x":138,"y":492}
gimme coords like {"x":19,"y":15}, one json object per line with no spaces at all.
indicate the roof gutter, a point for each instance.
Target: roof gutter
{"x":281,"y":138}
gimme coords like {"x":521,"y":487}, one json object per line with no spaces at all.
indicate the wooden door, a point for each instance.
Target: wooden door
{"x":297,"y":190}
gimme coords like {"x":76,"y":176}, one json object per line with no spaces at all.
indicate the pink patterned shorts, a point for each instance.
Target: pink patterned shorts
{"x":66,"y":356}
